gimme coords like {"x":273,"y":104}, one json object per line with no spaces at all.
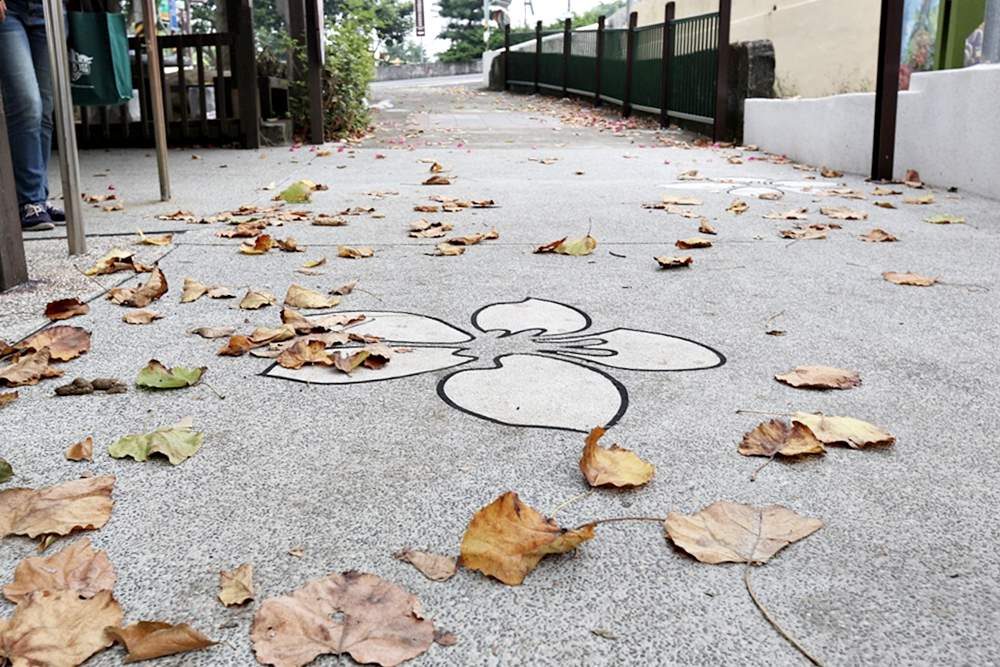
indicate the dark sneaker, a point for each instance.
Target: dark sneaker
{"x":34,"y":218}
{"x":56,"y":214}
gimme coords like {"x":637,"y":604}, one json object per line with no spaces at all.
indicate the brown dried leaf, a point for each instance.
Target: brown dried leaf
{"x":254,"y":300}
{"x":300,"y":297}
{"x":774,"y":437}
{"x":153,"y":639}
{"x":433,"y":566}
{"x":288,"y":245}
{"x":849,"y":431}
{"x":912,"y":179}
{"x":688,"y":244}
{"x":376,"y":622}
{"x":83,"y":504}
{"x":78,"y":567}
{"x":727,"y":532}
{"x":81,"y":451}
{"x":140,"y":297}
{"x":705,"y":227}
{"x":673,"y":261}
{"x":236,"y":586}
{"x":345,"y":289}
{"x":58,"y":628}
{"x":350,"y":252}
{"x":213,"y":332}
{"x":162,"y":240}
{"x":305,"y":352}
{"x":793,"y":214}
{"x":445,"y":249}
{"x":912,"y":279}
{"x":8,"y":397}
{"x":809,"y":233}
{"x":192,"y":290}
{"x":881,"y":191}
{"x":323,"y":220}
{"x":507,"y":539}
{"x":843,"y":213}
{"x":29,"y":369}
{"x":878,"y":236}
{"x":819,"y":377}
{"x":923,"y":200}
{"x":738,"y":207}
{"x":827,"y":172}
{"x":671,"y":200}
{"x":115,"y":260}
{"x":436,"y":167}
{"x":438,"y":180}
{"x":615,"y":466}
{"x":63,"y":342}
{"x":260,"y":245}
{"x":141,"y":316}
{"x":237,"y":346}
{"x":63,"y":309}
{"x":885,"y":204}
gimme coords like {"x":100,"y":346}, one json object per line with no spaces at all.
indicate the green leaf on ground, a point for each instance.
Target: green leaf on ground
{"x":6,"y":472}
{"x":178,"y":443}
{"x":157,"y":376}
{"x":299,"y":192}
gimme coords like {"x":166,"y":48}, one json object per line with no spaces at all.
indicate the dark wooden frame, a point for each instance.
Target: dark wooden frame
{"x":633,"y":21}
{"x":720,"y":131}
{"x":887,"y":90}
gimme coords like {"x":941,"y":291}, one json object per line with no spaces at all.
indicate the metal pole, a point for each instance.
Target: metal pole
{"x":633,"y":20}
{"x":721,"y":130}
{"x":666,"y":63}
{"x":991,"y":32}
{"x":887,"y":90}
{"x":149,"y":24}
{"x":69,"y":162}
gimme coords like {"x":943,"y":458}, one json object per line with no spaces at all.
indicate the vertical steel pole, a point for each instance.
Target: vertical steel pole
{"x":600,"y":57}
{"x":538,"y":52}
{"x":721,"y":130}
{"x":666,"y":59}
{"x":149,"y":24}
{"x":633,"y":20}
{"x":567,"y":51}
{"x":69,"y":162}
{"x":506,"y":57}
{"x":887,"y":90}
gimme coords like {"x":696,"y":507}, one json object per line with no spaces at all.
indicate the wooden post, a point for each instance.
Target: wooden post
{"x":567,"y":51}
{"x":62,"y":119}
{"x":13,"y":267}
{"x":506,"y":57}
{"x":633,"y":20}
{"x":538,"y":52}
{"x":887,"y":90}
{"x":666,"y":62}
{"x":317,"y":60}
{"x":600,"y":57}
{"x":297,"y":31}
{"x":149,"y":23}
{"x":239,"y":20}
{"x":721,"y":130}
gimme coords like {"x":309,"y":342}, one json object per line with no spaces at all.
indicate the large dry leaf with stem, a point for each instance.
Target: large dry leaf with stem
{"x":849,"y":431}
{"x":157,"y":376}
{"x":29,"y":369}
{"x":80,"y":504}
{"x":141,"y":316}
{"x":140,"y":297}
{"x":365,"y":616}
{"x":507,"y":539}
{"x":877,"y":235}
{"x":912,"y":279}
{"x":351,"y":252}
{"x":63,"y":342}
{"x":146,"y":640}
{"x":81,"y":451}
{"x":254,"y":300}
{"x":58,"y":628}
{"x":775,"y":437}
{"x":673,"y":261}
{"x":727,"y":532}
{"x":78,"y":567}
{"x":435,"y":567}
{"x":178,"y":443}
{"x":612,"y":466}
{"x":301,"y":297}
{"x":842,"y":213}
{"x":819,"y":377}
{"x":696,"y":242}
{"x":236,"y":586}
{"x":63,"y":309}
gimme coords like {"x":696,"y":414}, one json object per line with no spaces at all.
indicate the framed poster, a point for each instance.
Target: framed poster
{"x":920,"y":38}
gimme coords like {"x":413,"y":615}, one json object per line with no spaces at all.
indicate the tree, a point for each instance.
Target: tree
{"x":464,"y":29}
{"x":390,"y":20}
{"x":408,"y":51}
{"x":590,"y":16}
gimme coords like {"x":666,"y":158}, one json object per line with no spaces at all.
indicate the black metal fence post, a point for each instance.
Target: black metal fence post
{"x":721,"y":131}
{"x":887,"y":90}
{"x":538,"y":52}
{"x":633,"y":20}
{"x":317,"y":60}
{"x":567,"y":50}
{"x":666,"y":62}
{"x":239,"y":20}
{"x":600,"y":57}
{"x":506,"y":57}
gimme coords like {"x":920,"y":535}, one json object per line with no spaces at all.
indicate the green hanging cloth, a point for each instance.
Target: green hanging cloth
{"x":100,"y":72}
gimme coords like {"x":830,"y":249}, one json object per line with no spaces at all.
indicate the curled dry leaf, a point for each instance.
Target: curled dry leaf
{"x":738,"y":207}
{"x":29,"y":369}
{"x":116,"y":260}
{"x":81,"y":451}
{"x":727,"y":532}
{"x":365,"y":616}
{"x":236,"y":586}
{"x":920,"y":201}
{"x":157,"y":376}
{"x":885,"y":204}
{"x":304,"y":352}
{"x":288,"y":245}
{"x":192,"y":290}
{"x":6,"y":471}
{"x":152,"y":639}
{"x":260,"y":245}
{"x":78,"y":567}
{"x":162,"y":240}
{"x":80,"y":504}
{"x":945,"y":219}
{"x":58,"y":628}
{"x":213,"y":332}
{"x":507,"y":539}
{"x":300,"y":297}
{"x":819,"y":377}
{"x":63,"y":309}
{"x":8,"y":397}
{"x":775,"y":437}
{"x":849,"y":431}
{"x":681,"y":201}
{"x":433,"y":566}
{"x":237,"y":346}
{"x":140,"y":297}
{"x":437,"y":180}
{"x":345,"y":289}
{"x":313,"y":263}
{"x":566,"y":246}
{"x":688,"y":244}
{"x":63,"y":342}
{"x":422,"y":229}
{"x":613,"y":466}
{"x":446,"y":249}
{"x":350,"y":252}
{"x":912,"y":279}
{"x":842,"y":213}
{"x":254,"y":300}
{"x":793,"y":214}
{"x":141,"y":316}
{"x":178,"y":443}
{"x":878,"y":236}
{"x":674,"y":262}
{"x":912,"y":179}
{"x":705,"y":227}
{"x":827,"y":172}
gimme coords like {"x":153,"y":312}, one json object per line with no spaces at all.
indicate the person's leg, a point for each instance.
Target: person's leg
{"x":43,"y":73}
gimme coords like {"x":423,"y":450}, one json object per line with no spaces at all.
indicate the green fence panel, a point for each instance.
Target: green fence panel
{"x":583,"y":74}
{"x":647,"y":67}
{"x":550,"y":70}
{"x":695,"y":65}
{"x":521,"y":66}
{"x":613,"y":64}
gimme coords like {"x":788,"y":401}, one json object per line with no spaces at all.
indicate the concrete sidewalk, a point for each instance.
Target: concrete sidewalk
{"x":904,"y":572}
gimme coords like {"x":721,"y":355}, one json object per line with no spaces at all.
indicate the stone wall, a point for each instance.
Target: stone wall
{"x":423,"y":70}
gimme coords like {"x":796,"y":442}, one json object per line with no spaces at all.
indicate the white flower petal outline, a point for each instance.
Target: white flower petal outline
{"x":638,"y":350}
{"x":547,"y":318}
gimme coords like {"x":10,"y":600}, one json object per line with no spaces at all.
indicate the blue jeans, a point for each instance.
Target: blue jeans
{"x":26,"y":82}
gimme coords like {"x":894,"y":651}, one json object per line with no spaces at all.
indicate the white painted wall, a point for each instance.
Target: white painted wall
{"x":947,"y":128}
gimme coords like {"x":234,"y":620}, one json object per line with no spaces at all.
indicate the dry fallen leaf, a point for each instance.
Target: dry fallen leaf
{"x":566,"y":246}
{"x":140,"y":297}
{"x":849,"y":431}
{"x":254,"y":300}
{"x":162,"y":240}
{"x":437,"y":180}
{"x":28,"y":370}
{"x":7,"y":398}
{"x":63,"y":309}
{"x":313,"y":263}
{"x":727,"y":532}
{"x":213,"y":332}
{"x":843,"y":213}
{"x":300,"y":297}
{"x":612,"y":466}
{"x":705,"y":227}
{"x":81,"y":504}
{"x":236,"y":346}
{"x":773,"y":195}
{"x":433,"y":566}
{"x":350,"y":252}
{"x":738,"y":207}
{"x":145,"y":640}
{"x":912,"y":179}
{"x":793,"y":214}
{"x":923,"y":200}
{"x":260,"y":245}
{"x":304,"y":352}
{"x":78,"y":567}
{"x":288,"y":245}
{"x":885,"y":204}
{"x":681,"y":201}
{"x":116,"y":260}
{"x":945,"y":219}
{"x":881,"y":191}
{"x":365,"y":616}
{"x":810,"y":233}
{"x":674,"y":262}
{"x":819,"y":377}
{"x":141,"y":316}
{"x":507,"y":539}
{"x":236,"y":586}
{"x":688,"y":244}
{"x":81,"y":451}
{"x":445,"y":249}
{"x":877,"y":235}
{"x":322,"y":220}
{"x":775,"y":437}
{"x":58,"y":628}
{"x":63,"y":342}
{"x":827,"y":172}
{"x":912,"y":279}
{"x":345,"y":289}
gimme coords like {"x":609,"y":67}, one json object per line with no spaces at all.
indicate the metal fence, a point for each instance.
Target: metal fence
{"x":672,"y":68}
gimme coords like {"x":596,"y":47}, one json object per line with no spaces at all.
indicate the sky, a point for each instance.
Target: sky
{"x":545,"y":10}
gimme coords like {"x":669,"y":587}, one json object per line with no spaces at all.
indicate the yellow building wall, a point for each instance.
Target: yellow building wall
{"x":822,"y":47}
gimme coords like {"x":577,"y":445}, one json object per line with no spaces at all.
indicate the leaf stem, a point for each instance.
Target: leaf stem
{"x":743,"y":411}
{"x":617,"y":519}
{"x":770,"y":619}
{"x":753,"y":477}
{"x":566,"y":503}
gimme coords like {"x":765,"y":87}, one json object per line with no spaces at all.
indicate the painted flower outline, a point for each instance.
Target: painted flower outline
{"x":549,"y":370}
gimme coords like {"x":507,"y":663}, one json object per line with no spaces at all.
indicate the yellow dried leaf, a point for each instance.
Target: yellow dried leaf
{"x":350,"y":252}
{"x":612,"y":466}
{"x":819,"y":377}
{"x":445,"y":249}
{"x":674,"y":262}
{"x":433,"y":566}
{"x":28,"y":370}
{"x":141,"y":316}
{"x":80,"y":504}
{"x":843,"y":213}
{"x":58,"y":628}
{"x":81,"y":451}
{"x":300,"y":297}
{"x":163,"y":240}
{"x":152,"y":639}
{"x":78,"y":567}
{"x":313,"y":263}
{"x":848,"y":431}
{"x":688,"y":244}
{"x":738,"y":207}
{"x":920,"y":201}
{"x":236,"y":586}
{"x":254,"y":299}
{"x":775,"y":437}
{"x":913,"y":279}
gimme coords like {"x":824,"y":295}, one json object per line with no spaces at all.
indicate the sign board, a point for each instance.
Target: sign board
{"x":418,"y":12}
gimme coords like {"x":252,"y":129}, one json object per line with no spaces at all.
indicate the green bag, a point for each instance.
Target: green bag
{"x":99,"y":66}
